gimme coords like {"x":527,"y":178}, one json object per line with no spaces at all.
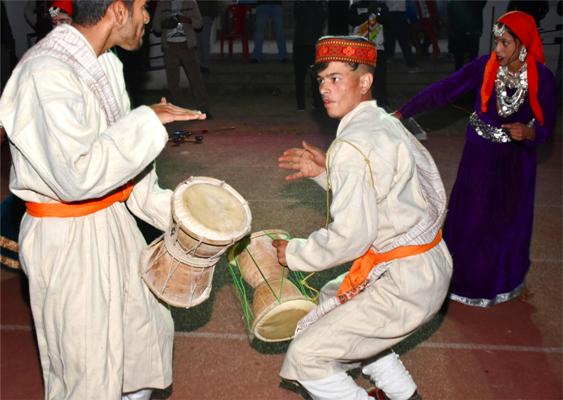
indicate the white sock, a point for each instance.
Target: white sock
{"x":340,"y":386}
{"x":390,"y":375}
{"x":143,"y":394}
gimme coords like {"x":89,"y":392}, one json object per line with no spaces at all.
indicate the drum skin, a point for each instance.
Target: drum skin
{"x":277,"y":307}
{"x":208,"y":216}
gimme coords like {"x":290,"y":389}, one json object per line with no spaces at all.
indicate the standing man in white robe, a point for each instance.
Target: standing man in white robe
{"x":388,"y":204}
{"x":82,"y":162}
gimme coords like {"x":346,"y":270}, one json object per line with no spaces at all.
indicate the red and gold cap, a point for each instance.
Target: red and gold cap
{"x":355,"y":49}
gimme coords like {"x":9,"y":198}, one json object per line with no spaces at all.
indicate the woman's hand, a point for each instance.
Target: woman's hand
{"x":519,"y":131}
{"x":309,"y":161}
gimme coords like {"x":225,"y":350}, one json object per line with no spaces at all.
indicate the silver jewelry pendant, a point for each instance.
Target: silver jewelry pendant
{"x":508,"y":105}
{"x":523,"y":54}
{"x":499,"y":29}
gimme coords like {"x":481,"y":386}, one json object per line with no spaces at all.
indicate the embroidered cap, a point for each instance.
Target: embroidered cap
{"x":355,"y":49}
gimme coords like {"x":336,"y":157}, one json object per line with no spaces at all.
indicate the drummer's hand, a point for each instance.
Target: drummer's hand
{"x":168,"y":112}
{"x":309,"y":161}
{"x":280,"y":246}
{"x":519,"y":131}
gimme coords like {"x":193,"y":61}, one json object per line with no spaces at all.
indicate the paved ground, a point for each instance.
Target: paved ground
{"x":512,"y":351}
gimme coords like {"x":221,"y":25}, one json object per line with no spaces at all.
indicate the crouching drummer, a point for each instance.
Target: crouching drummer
{"x":388,"y":204}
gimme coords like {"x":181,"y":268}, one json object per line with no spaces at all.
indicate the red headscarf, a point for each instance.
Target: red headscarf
{"x":64,"y":5}
{"x":524,"y":27}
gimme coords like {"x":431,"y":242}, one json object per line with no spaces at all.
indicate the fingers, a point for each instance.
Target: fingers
{"x":167,"y":112}
{"x":277,"y":242}
{"x":288,"y":165}
{"x":293,"y":152}
{"x":292,"y":177}
{"x":294,"y":160}
{"x":190,"y":117}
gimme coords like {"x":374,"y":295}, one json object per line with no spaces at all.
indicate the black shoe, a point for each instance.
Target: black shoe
{"x":253,"y":61}
{"x":379,"y":394}
{"x":204,"y":70}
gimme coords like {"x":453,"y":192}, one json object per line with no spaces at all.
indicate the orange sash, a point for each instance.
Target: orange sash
{"x":361,"y":268}
{"x":79,"y":208}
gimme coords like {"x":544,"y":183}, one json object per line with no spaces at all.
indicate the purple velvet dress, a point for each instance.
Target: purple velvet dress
{"x":488,"y":227}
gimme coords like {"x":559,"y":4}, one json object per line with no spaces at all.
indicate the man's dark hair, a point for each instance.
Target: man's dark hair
{"x":90,"y":12}
{"x":320,"y":67}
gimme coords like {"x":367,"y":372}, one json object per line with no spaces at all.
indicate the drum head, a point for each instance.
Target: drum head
{"x":278,"y":324}
{"x":278,"y":306}
{"x":211,"y":210}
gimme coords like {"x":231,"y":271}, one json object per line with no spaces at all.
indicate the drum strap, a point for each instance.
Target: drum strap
{"x":79,"y":208}
{"x":360,"y":269}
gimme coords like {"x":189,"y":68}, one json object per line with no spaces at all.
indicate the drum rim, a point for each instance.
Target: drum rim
{"x":210,"y":236}
{"x":278,"y":307}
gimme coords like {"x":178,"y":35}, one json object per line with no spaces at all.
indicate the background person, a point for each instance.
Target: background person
{"x":176,"y":21}
{"x":465,"y":26}
{"x":309,"y":25}
{"x":368,"y":20}
{"x":268,"y":10}
{"x":61,"y":12}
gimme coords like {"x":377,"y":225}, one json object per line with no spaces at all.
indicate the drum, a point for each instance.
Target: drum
{"x":279,"y":300}
{"x":208,"y":216}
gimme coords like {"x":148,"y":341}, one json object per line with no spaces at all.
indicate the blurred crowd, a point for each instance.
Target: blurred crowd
{"x":415,"y":25}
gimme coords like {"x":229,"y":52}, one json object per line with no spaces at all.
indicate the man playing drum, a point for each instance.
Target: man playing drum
{"x":81,"y":160}
{"x":388,"y":204}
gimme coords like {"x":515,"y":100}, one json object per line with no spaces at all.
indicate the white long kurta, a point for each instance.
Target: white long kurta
{"x":99,"y":329}
{"x":382,"y":213}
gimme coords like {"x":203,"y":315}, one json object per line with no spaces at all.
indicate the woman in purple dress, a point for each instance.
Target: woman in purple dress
{"x":488,"y":228}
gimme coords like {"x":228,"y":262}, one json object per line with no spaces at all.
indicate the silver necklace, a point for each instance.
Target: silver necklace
{"x":508,"y":105}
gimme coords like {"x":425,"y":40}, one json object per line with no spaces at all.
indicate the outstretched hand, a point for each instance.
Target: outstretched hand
{"x":280,"y":246}
{"x":309,"y":161}
{"x":167,"y":112}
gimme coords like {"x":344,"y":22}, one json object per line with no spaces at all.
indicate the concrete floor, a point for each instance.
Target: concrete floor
{"x":512,"y":351}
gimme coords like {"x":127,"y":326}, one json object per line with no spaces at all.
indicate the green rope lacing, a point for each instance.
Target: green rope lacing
{"x":245,"y":305}
{"x":238,"y":280}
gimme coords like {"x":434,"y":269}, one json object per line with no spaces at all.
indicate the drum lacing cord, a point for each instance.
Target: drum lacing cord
{"x":246,"y":309}
{"x":181,"y":256}
{"x":302,"y":281}
{"x":173,"y":231}
{"x":184,"y":256}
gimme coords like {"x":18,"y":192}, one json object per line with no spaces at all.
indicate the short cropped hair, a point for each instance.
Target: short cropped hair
{"x":90,"y":12}
{"x":320,"y":67}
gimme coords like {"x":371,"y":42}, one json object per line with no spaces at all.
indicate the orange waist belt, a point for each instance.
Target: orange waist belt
{"x":361,"y":268}
{"x":79,"y":208}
